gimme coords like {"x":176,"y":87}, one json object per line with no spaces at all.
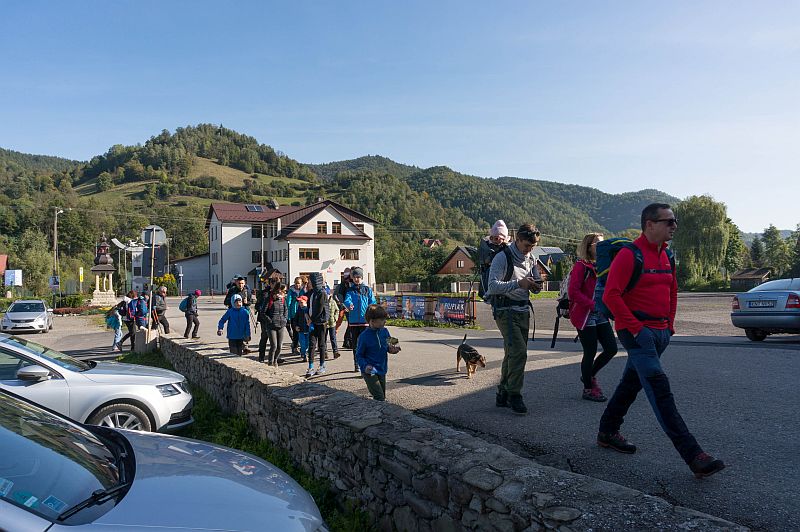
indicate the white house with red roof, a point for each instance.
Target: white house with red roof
{"x":324,"y":237}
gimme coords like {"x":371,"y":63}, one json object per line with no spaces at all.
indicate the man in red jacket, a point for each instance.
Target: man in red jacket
{"x":644,"y":320}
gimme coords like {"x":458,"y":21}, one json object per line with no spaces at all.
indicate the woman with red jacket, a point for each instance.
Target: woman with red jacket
{"x":592,"y":326}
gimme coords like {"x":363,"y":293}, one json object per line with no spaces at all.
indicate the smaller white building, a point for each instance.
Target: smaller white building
{"x":192,"y":274}
{"x":324,"y":237}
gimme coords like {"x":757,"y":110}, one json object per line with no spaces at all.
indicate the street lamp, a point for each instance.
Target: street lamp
{"x":57,"y":211}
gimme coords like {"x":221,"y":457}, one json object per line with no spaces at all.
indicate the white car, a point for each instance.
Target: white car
{"x":27,"y":315}
{"x":99,"y":393}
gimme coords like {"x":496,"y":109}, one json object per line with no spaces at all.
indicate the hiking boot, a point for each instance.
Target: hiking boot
{"x":615,"y":441}
{"x":705,"y":465}
{"x":501,"y":399}
{"x":336,"y":355}
{"x":279,"y":361}
{"x":517,"y":404}
{"x":594,"y":394}
{"x":186,"y":336}
{"x":311,"y":372}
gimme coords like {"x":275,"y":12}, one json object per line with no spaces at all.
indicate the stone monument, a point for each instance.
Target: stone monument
{"x":103,"y":269}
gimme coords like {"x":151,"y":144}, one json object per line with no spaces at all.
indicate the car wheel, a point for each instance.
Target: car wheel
{"x":121,"y":416}
{"x":755,"y":335}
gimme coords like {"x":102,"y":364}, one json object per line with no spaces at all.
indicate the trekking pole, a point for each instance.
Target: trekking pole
{"x":555,"y":331}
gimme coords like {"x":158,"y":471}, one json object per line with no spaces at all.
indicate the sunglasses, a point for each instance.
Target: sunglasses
{"x":528,"y":235}
{"x":668,"y":221}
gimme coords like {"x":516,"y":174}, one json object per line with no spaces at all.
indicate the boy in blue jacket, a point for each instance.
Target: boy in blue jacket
{"x":238,"y":319}
{"x":371,"y":352}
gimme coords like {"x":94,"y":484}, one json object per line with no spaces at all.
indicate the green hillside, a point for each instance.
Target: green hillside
{"x":173,"y":177}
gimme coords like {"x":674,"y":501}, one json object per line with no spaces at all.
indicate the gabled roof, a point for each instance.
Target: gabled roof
{"x":294,"y":221}
{"x":238,"y":212}
{"x":751,"y":273}
{"x":469,"y":251}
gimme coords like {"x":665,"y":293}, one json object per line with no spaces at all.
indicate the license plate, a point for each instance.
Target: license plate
{"x":762,"y":303}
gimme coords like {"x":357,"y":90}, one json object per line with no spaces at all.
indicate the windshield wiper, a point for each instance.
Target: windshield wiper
{"x":97,"y":497}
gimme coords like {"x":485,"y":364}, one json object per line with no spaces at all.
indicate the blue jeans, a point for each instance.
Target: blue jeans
{"x":117,"y":336}
{"x":332,"y":336}
{"x":643,"y":370}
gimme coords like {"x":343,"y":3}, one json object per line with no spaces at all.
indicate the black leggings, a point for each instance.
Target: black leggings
{"x":589,"y":337}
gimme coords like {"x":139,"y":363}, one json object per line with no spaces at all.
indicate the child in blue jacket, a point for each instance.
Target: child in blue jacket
{"x":238,"y":319}
{"x":371,"y":352}
{"x":300,"y":324}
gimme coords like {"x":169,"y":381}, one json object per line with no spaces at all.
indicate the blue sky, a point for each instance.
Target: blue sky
{"x":686,"y":97}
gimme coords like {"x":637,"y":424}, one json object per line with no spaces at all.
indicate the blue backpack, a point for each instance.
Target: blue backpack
{"x":607,"y":251}
{"x":183,"y":306}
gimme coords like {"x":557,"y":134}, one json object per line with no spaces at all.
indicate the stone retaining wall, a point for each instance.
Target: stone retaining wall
{"x":412,"y":474}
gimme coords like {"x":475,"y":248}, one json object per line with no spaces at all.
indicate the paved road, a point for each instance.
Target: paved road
{"x":735,"y":395}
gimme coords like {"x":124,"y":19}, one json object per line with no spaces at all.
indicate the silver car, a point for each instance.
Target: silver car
{"x":32,"y":315}
{"x":58,"y":475}
{"x":100,"y":393}
{"x":769,"y":308}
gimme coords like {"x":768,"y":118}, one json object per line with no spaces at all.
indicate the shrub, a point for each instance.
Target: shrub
{"x":71,"y":301}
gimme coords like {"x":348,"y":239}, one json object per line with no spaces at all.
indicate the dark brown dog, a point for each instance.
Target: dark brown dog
{"x":470,"y":356}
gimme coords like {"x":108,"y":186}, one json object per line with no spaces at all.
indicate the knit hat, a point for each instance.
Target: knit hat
{"x":198,"y":293}
{"x":499,"y":229}
{"x":235,"y":297}
{"x":346,"y":273}
{"x":302,"y":298}
{"x":357,"y":272}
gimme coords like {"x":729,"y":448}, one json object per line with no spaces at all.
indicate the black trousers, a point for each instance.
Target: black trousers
{"x":236,"y":347}
{"x":191,"y":319}
{"x":160,"y":319}
{"x":131,"y":334}
{"x":318,"y":341}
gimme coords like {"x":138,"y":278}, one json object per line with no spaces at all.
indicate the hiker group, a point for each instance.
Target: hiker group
{"x":631,"y":282}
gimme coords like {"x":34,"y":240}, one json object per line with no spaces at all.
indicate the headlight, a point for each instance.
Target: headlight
{"x":168,"y":390}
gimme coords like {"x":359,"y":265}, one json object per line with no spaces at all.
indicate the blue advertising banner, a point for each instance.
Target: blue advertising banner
{"x":390,"y":304}
{"x":450,"y":310}
{"x":414,"y":307}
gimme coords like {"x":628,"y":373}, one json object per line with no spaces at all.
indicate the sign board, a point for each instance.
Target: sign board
{"x":80,"y":274}
{"x":154,"y":232}
{"x":414,"y":307}
{"x":13,"y":278}
{"x":390,"y":304}
{"x":55,"y":283}
{"x":450,"y":310}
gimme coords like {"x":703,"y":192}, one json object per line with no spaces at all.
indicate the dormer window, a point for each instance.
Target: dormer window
{"x":336,"y":228}
{"x":322,"y":228}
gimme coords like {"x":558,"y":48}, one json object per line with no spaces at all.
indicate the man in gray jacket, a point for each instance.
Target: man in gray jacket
{"x":159,"y":304}
{"x":509,"y":288}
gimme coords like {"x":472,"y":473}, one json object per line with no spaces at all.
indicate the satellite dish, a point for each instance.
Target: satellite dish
{"x":154,"y":235}
{"x":117,"y":243}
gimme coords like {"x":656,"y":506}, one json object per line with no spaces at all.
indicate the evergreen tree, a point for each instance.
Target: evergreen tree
{"x":734,"y":251}
{"x":757,"y":253}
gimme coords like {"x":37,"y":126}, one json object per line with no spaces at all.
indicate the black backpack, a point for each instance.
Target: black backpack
{"x":484,"y":271}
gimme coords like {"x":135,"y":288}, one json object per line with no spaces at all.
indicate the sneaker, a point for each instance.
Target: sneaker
{"x":356,"y":368}
{"x":594,"y":394}
{"x":615,"y":441}
{"x":279,"y":361}
{"x":705,"y":465}
{"x":322,"y":370}
{"x":186,"y":336}
{"x":311,"y":372}
{"x":304,"y":357}
{"x":517,"y":404}
{"x":295,"y":352}
{"x":195,"y":337}
{"x":501,"y":399}
{"x":336,"y":355}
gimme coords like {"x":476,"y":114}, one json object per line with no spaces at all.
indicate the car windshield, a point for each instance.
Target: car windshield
{"x":49,"y":464}
{"x":35,"y":306}
{"x":60,"y":359}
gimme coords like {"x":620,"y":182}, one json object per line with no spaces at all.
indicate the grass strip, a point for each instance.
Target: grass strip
{"x":214,"y":426}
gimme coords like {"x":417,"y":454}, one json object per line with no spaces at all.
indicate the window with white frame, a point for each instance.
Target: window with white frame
{"x":460,"y":264}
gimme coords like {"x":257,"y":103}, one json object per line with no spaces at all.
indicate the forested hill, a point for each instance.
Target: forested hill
{"x":14,"y":163}
{"x":369,"y":163}
{"x":172,"y":178}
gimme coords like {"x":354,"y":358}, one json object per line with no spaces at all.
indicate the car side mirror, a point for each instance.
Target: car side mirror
{"x":33,"y":373}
